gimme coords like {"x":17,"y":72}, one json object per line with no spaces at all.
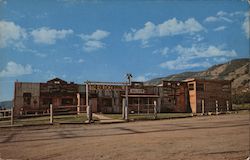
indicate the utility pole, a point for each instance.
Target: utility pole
{"x":89,"y":109}
{"x":129,"y":76}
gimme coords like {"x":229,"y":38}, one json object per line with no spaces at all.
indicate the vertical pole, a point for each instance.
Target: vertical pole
{"x":138,"y":105}
{"x":126,"y":103}
{"x":89,"y":109}
{"x":12,"y":116}
{"x":227,"y":106}
{"x":123,"y":108}
{"x":217,"y":109}
{"x":78,"y":103}
{"x":155,"y":110}
{"x":202,"y":106}
{"x":51,"y":114}
{"x":148,"y":105}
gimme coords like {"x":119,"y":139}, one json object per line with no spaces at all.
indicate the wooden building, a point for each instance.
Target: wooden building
{"x":207,"y":95}
{"x":174,"y":97}
{"x":33,"y":98}
{"x":170,"y":96}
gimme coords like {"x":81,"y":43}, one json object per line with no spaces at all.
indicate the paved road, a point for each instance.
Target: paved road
{"x":210,"y":137}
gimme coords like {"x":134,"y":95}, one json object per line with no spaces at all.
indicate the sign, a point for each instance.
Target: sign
{"x":106,"y":87}
{"x":137,"y":91}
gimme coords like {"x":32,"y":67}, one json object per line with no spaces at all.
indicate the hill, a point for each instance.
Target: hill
{"x":6,"y":104}
{"x":235,"y":70}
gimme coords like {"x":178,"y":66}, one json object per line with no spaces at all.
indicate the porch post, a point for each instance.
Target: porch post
{"x":138,"y":105}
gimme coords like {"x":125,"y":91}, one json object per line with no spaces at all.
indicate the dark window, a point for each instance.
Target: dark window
{"x":107,"y":102}
{"x":200,"y":87}
{"x":47,"y":101}
{"x":26,"y":98}
{"x":191,"y":86}
{"x":67,"y":101}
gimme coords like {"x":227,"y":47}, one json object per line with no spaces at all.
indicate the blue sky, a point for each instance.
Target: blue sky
{"x":81,"y":40}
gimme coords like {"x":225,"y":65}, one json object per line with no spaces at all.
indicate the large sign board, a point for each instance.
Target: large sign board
{"x":137,"y":91}
{"x":94,"y":87}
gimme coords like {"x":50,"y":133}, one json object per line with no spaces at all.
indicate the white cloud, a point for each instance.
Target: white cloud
{"x":90,"y":46}
{"x":146,"y":76}
{"x":211,"y":19}
{"x":10,"y":33}
{"x":224,"y":16}
{"x":222,"y":13}
{"x":3,"y":2}
{"x":140,"y":78}
{"x":97,"y":35}
{"x":41,"y":55}
{"x":198,"y":51}
{"x":183,"y":63}
{"x":246,"y":25}
{"x":163,"y":51}
{"x":197,"y":38}
{"x":168,"y":28}
{"x":80,"y":61}
{"x":221,"y":28}
{"x":49,"y":36}
{"x":191,"y":57}
{"x":93,"y":41}
{"x":12,"y":70}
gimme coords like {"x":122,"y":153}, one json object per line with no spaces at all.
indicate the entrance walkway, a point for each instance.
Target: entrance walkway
{"x":104,"y":119}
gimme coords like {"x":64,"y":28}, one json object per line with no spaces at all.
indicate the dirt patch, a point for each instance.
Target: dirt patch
{"x":211,"y":137}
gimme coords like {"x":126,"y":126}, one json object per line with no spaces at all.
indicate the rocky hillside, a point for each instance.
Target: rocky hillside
{"x":236,"y":70}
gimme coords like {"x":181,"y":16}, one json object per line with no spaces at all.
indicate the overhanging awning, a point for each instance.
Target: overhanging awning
{"x":142,"y":96}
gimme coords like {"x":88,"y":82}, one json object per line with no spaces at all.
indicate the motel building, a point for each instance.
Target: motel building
{"x":191,"y":95}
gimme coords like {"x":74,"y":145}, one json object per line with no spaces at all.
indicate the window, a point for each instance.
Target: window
{"x":200,"y":86}
{"x":191,"y":86}
{"x":26,"y":98}
{"x":47,"y":101}
{"x":67,"y":101}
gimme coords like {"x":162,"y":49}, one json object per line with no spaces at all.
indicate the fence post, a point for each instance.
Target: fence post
{"x":78,"y":103}
{"x":216,"y":109}
{"x":138,"y":105}
{"x":123,"y":108}
{"x":51,"y":114}
{"x":12,"y":116}
{"x":155,"y":110}
{"x":227,"y":106}
{"x":202,"y":107}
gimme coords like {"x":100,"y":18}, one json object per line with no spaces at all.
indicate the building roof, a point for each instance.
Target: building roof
{"x":142,"y":95}
{"x":206,"y":80}
{"x":57,"y":80}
